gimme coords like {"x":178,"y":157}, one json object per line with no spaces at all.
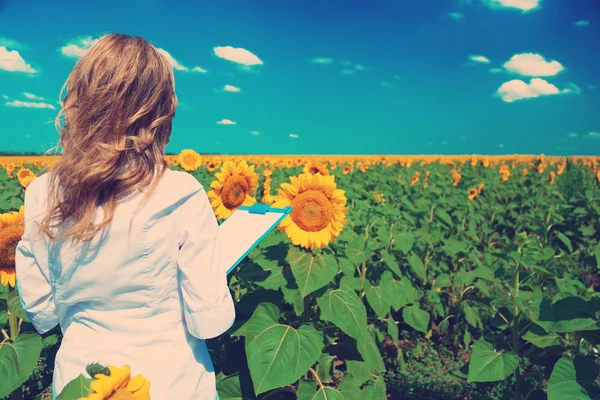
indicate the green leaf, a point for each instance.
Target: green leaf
{"x":327,"y":393}
{"x":312,"y":272}
{"x":378,"y":299}
{"x":371,"y":354}
{"x":356,"y":251}
{"x":344,"y":308}
{"x":14,"y":305}
{"x":347,"y":266}
{"x":350,"y":388}
{"x":360,"y":370}
{"x":489,"y":365}
{"x":391,"y":263}
{"x":77,"y":388}
{"x":575,"y":313}
{"x":404,"y":242}
{"x":231,"y":388}
{"x":324,"y":367}
{"x":597,"y":253}
{"x":537,"y":336}
{"x":392,"y":329}
{"x":306,"y":389}
{"x":278,"y":354}
{"x":293,"y":297}
{"x":376,"y":391}
{"x":417,"y":318}
{"x":565,"y":383}
{"x":417,"y":265}
{"x":18,"y":360}
{"x":567,"y":242}
{"x":442,"y":281}
{"x":471,"y":316}
{"x":445,"y":217}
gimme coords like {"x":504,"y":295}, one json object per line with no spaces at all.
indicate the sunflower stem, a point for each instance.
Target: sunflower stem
{"x":13,"y":326}
{"x":316,"y":376}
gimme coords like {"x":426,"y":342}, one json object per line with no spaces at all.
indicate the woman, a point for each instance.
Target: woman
{"x":118,"y":249}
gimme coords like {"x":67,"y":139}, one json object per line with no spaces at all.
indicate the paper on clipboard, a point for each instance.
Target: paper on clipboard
{"x":245,"y":229}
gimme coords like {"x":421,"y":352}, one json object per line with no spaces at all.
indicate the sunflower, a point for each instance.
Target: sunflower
{"x":552,"y":177}
{"x":456,"y":176}
{"x":318,"y":213}
{"x":189,"y":160}
{"x":25,"y":176}
{"x":119,"y":386}
{"x":415,"y":178}
{"x":233,"y":188}
{"x":9,"y":167}
{"x":213,"y":165}
{"x":347,"y":169}
{"x":11,"y":230}
{"x":316,"y":168}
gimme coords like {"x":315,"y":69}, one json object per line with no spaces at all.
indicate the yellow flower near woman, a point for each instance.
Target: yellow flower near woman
{"x":119,"y":386}
{"x":234,"y":187}
{"x":25,"y":176}
{"x":318,"y":213}
{"x":11,"y":229}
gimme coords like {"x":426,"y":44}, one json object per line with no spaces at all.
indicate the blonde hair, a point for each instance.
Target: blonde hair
{"x":118,"y":113}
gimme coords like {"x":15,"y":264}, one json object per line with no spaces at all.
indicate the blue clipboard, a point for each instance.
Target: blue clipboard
{"x":245,"y":228}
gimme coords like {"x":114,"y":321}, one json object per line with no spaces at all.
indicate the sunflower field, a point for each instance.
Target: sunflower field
{"x":401,"y":277}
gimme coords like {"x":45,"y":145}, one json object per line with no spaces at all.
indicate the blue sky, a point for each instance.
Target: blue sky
{"x":330,"y":77}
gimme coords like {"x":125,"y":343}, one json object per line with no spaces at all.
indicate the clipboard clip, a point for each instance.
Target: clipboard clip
{"x":259,"y":208}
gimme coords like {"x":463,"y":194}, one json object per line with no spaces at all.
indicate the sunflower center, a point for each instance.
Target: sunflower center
{"x":234,"y":191}
{"x":311,"y":211}
{"x":9,"y":238}
{"x":122,"y":394}
{"x":189,"y":159}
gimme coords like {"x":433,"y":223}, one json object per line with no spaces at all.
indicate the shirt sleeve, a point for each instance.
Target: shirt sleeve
{"x":33,"y":277}
{"x":207,"y":303}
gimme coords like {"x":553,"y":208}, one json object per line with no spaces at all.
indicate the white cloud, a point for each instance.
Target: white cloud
{"x":386,"y":84}
{"x":198,"y":69}
{"x":496,"y":70}
{"x":573,"y":135}
{"x":593,"y":135}
{"x":5,"y":97}
{"x":523,"y":5}
{"x":530,"y":64}
{"x":293,"y":135}
{"x":517,"y":89}
{"x":33,"y":96}
{"x":456,"y":16}
{"x":347,"y":63}
{"x":582,"y":23}
{"x":229,"y":88}
{"x":78,"y":47}
{"x":501,"y":145}
{"x":12,"y":44}
{"x":348,"y":71}
{"x":255,"y":133}
{"x":445,"y":143}
{"x":359,"y":67}
{"x":321,"y":60}
{"x":479,"y":59}
{"x":174,"y":63}
{"x":237,"y":55}
{"x":29,"y":104}
{"x":226,"y":122}
{"x":11,"y":60}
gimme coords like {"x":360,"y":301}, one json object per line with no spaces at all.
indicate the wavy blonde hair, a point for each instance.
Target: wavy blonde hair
{"x":118,"y":113}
